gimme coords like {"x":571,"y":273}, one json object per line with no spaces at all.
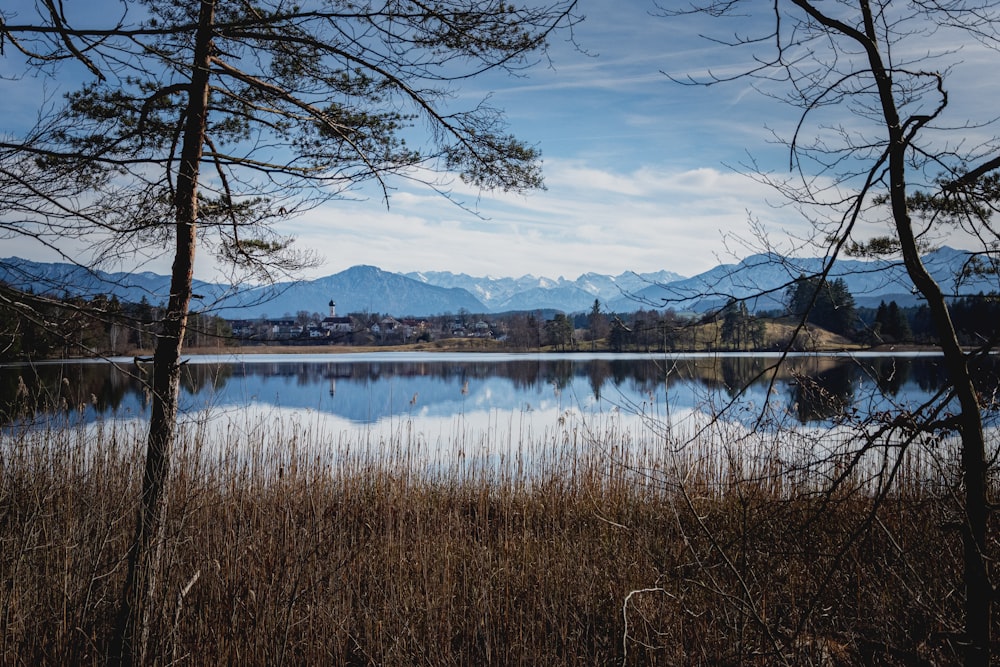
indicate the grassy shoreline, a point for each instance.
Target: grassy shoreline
{"x":705,"y":338}
{"x":324,"y":552}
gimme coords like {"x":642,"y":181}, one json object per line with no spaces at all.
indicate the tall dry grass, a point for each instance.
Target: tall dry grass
{"x":287,"y":545}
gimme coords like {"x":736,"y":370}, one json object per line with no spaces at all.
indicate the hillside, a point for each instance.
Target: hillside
{"x":763,"y":278}
{"x":760,"y":278}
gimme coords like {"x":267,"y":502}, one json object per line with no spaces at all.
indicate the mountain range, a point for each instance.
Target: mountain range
{"x":761,"y":278}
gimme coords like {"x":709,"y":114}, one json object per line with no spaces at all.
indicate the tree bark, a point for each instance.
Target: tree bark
{"x":978,"y":586}
{"x":131,"y":639}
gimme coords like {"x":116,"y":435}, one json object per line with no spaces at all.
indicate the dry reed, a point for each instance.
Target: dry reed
{"x":289,"y":545}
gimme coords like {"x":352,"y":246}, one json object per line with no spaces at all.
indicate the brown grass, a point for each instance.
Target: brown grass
{"x":325,"y":552}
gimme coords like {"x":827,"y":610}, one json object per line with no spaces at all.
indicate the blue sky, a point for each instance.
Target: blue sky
{"x":634,"y":167}
{"x":642,"y":173}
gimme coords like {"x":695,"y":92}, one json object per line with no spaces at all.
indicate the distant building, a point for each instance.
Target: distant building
{"x":334,"y":324}
{"x":284,"y":329}
{"x":243,"y":329}
{"x":386,"y":325}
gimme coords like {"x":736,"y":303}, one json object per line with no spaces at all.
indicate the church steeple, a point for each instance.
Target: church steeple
{"x":333,"y":308}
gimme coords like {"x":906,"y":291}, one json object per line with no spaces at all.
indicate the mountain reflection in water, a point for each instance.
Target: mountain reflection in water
{"x":367,"y":388}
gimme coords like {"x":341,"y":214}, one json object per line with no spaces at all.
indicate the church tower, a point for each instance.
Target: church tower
{"x":333,"y":308}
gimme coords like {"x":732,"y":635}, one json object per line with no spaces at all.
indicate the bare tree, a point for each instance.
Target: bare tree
{"x":205,"y":121}
{"x":876,"y":141}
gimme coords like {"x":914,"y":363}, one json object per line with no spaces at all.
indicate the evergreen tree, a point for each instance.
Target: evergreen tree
{"x":619,"y":335}
{"x":824,"y":303}
{"x":559,"y":331}
{"x":897,"y":325}
{"x":596,"y":323}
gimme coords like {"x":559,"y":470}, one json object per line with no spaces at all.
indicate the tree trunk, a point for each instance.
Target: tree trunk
{"x":978,"y":586}
{"x":131,"y":638}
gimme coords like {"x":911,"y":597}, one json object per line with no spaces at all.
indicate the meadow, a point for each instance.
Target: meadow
{"x":610,"y":547}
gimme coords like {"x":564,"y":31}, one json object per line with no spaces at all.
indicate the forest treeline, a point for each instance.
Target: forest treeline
{"x":44,"y":327}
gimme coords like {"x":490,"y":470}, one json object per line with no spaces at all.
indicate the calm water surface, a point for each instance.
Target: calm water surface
{"x":430,"y":392}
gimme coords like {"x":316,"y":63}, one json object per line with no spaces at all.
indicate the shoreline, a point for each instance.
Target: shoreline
{"x":252,"y":350}
{"x":490,"y":349}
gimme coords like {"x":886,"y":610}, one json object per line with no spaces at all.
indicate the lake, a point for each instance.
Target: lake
{"x":432,"y":392}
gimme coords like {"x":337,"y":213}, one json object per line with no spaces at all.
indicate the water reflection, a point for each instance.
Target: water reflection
{"x":823,"y":396}
{"x":367,"y":388}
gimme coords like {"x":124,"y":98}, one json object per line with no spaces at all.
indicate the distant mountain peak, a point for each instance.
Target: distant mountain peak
{"x":367,"y":288}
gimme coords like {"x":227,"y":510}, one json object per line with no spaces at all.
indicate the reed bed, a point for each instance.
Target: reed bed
{"x":583,"y":545}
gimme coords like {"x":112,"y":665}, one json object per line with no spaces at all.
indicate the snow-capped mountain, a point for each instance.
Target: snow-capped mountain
{"x":530,"y":293}
{"x":356,"y":290}
{"x":763,"y":278}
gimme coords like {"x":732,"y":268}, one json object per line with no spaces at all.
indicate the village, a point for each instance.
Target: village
{"x":358,"y":328}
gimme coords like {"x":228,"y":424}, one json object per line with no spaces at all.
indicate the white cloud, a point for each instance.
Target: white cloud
{"x":590,"y":219}
{"x":634,"y":164}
